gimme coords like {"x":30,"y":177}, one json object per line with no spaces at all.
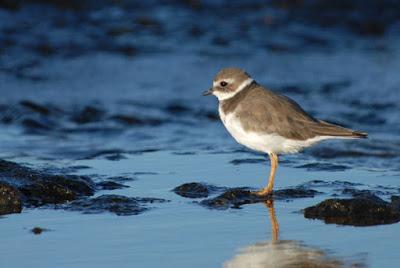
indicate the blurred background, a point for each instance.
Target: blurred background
{"x":83,"y":78}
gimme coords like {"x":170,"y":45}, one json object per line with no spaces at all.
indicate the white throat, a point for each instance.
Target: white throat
{"x":227,"y":95}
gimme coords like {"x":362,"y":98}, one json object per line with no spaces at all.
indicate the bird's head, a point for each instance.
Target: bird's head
{"x":228,"y":82}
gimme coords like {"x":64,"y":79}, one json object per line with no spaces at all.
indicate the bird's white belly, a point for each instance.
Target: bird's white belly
{"x":263,"y":142}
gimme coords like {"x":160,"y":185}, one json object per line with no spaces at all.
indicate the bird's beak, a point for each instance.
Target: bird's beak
{"x":208,"y":92}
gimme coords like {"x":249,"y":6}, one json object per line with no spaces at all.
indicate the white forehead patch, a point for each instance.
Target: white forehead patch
{"x":227,"y":95}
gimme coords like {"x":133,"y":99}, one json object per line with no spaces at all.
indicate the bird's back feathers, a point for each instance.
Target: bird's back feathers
{"x":263,"y":111}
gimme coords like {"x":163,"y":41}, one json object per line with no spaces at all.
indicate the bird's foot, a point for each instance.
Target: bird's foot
{"x":263,"y":193}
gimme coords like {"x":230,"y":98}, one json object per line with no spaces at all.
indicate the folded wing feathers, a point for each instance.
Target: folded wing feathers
{"x":323,"y":128}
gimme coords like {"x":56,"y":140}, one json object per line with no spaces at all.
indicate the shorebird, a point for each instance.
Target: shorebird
{"x":267,"y":122}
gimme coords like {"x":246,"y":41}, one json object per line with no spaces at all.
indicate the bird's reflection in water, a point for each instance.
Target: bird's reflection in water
{"x":285,"y":253}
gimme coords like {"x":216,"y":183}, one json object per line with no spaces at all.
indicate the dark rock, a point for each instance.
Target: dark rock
{"x":395,"y":203}
{"x":66,"y":4}
{"x":234,"y":198}
{"x":24,"y":186}
{"x":196,"y":31}
{"x":121,"y":30}
{"x":177,"y":108}
{"x":136,"y":121}
{"x":10,"y":199}
{"x":110,"y":185}
{"x":6,"y":119}
{"x":39,"y":188}
{"x":127,"y":119}
{"x":34,"y":125}
{"x":38,"y":230}
{"x":44,"y":49}
{"x":88,"y":114}
{"x":281,"y":48}
{"x":54,"y":189}
{"x":364,"y":211}
{"x":194,"y":4}
{"x":115,"y":157}
{"x":211,"y":116}
{"x":194,"y":190}
{"x":142,"y":151}
{"x":368,"y":28}
{"x":117,"y":204}
{"x":220,"y":41}
{"x":148,"y":22}
{"x":126,"y":49}
{"x":41,"y":109}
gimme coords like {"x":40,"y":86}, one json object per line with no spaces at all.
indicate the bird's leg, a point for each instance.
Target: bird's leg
{"x":274,"y":164}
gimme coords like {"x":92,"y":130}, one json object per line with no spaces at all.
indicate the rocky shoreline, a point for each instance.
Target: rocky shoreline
{"x":22,"y":187}
{"x":364,"y":208}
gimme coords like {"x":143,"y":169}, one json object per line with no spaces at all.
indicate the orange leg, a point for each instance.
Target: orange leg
{"x":274,"y":164}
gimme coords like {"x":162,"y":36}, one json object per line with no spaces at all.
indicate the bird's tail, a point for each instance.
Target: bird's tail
{"x":323,"y":128}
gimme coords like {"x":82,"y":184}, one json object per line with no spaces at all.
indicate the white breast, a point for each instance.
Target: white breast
{"x":263,"y":142}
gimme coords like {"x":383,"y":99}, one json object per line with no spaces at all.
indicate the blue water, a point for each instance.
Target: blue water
{"x":181,"y":233}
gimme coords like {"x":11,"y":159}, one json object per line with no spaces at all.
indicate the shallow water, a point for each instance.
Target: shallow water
{"x":140,"y":114}
{"x":182,"y":233}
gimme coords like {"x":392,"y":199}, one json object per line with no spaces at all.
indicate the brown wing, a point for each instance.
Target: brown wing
{"x":328,"y":129}
{"x":262,"y":110}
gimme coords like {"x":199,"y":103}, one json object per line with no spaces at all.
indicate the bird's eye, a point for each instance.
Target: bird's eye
{"x":223,"y":83}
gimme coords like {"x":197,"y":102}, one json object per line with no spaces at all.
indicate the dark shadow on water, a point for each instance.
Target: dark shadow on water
{"x":286,"y":253}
